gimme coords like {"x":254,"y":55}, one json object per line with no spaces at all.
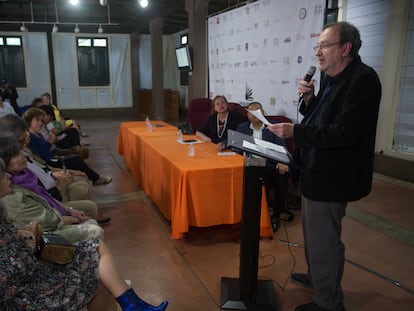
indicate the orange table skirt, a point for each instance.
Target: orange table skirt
{"x":201,"y":191}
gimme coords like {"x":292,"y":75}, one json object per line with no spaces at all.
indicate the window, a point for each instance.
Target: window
{"x":12,"y":60}
{"x":93,"y":61}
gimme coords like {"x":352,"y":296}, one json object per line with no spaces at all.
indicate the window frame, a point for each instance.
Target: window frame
{"x":12,"y":61}
{"x":96,"y":58}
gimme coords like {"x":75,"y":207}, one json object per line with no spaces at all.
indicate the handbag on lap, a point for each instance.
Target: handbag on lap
{"x":54,"y":248}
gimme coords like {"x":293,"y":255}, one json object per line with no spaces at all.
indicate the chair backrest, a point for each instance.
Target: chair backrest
{"x":199,"y":110}
{"x":237,"y":108}
{"x":289,"y":141}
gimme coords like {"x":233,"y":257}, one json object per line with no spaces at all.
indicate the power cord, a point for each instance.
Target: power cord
{"x":289,"y":245}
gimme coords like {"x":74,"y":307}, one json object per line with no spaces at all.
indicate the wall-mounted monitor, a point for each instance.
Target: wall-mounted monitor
{"x":183,"y":58}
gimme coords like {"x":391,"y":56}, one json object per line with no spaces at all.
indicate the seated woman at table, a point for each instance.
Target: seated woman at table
{"x":34,"y":120}
{"x":30,"y":284}
{"x":217,"y":124}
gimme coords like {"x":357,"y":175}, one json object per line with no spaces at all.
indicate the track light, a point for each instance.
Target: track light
{"x":23,"y":28}
{"x":103,"y":2}
{"x":143,"y":3}
{"x":55,"y":28}
{"x":76,"y":30}
{"x":100,"y":29}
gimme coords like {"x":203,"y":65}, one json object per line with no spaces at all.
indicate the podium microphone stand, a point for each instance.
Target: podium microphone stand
{"x":247,"y":292}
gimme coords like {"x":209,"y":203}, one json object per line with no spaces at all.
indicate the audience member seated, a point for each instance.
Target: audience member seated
{"x":31,"y":201}
{"x":56,"y":181}
{"x":9,"y":94}
{"x":31,"y":284}
{"x":34,"y":120}
{"x":64,"y":123}
{"x":215,"y":128}
{"x":23,"y":176}
{"x":276,"y":174}
{"x":68,"y":138}
{"x":5,"y":107}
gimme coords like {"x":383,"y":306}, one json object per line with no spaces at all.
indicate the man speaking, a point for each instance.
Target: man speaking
{"x":335,"y":150}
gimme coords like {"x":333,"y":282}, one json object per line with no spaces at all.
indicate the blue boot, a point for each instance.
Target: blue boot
{"x":129,"y":301}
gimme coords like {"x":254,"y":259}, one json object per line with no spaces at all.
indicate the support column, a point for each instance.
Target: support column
{"x":197,"y":28}
{"x":157,"y":109}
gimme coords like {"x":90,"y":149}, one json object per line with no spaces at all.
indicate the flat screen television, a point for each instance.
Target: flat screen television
{"x":183,"y":58}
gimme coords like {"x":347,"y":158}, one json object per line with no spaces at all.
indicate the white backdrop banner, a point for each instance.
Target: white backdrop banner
{"x":259,"y":52}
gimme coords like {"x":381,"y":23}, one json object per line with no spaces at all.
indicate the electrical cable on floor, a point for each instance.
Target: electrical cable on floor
{"x":290,"y":244}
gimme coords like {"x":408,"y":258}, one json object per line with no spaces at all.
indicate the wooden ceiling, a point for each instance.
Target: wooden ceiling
{"x":122,"y":16}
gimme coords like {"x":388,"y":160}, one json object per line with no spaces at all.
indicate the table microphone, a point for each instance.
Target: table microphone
{"x":307,"y":78}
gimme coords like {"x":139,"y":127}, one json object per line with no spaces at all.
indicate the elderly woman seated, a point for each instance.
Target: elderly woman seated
{"x":22,"y":205}
{"x":28,"y":283}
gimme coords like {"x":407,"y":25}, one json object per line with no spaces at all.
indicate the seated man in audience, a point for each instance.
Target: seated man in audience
{"x":276,"y":175}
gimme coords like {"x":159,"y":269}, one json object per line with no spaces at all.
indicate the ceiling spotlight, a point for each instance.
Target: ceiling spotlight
{"x":103,"y":2}
{"x":74,"y":2}
{"x":100,"y":29}
{"x":143,"y":3}
{"x":76,"y":30}
{"x":55,"y":28}
{"x":23,"y":28}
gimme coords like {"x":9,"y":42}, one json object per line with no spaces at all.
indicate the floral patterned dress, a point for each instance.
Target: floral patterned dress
{"x":27,"y":283}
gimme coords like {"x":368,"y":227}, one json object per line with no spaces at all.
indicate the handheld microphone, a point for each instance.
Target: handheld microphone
{"x":308,"y":77}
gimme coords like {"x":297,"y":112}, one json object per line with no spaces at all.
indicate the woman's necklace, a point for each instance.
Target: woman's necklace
{"x":221,"y":128}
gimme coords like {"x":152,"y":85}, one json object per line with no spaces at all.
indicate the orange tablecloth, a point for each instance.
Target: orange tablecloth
{"x":204,"y":190}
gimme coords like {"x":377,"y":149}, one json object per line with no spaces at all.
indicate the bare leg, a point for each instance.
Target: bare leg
{"x":109,"y":274}
{"x":116,"y":285}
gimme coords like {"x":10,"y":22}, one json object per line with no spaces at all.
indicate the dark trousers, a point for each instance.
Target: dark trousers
{"x":324,"y":250}
{"x":72,"y":139}
{"x":276,"y":186}
{"x":74,"y":162}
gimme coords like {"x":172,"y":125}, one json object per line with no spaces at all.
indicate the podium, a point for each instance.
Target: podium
{"x":247,"y":292}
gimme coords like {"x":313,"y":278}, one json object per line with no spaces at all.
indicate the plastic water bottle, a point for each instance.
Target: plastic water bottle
{"x":191,"y":150}
{"x":148,"y":124}
{"x":179,"y":135}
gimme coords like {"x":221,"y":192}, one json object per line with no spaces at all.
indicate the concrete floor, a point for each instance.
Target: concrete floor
{"x":378,"y":232}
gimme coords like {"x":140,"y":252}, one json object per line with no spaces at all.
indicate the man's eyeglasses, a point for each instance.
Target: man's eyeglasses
{"x":325,"y":46}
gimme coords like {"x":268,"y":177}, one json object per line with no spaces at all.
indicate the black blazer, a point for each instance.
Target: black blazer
{"x":335,"y":148}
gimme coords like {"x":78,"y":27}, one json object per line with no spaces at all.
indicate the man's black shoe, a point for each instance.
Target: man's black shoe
{"x":103,"y":221}
{"x":311,"y":306}
{"x":275,"y":223}
{"x":301,"y":279}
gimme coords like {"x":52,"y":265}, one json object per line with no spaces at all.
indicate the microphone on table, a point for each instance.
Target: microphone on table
{"x":307,"y":78}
